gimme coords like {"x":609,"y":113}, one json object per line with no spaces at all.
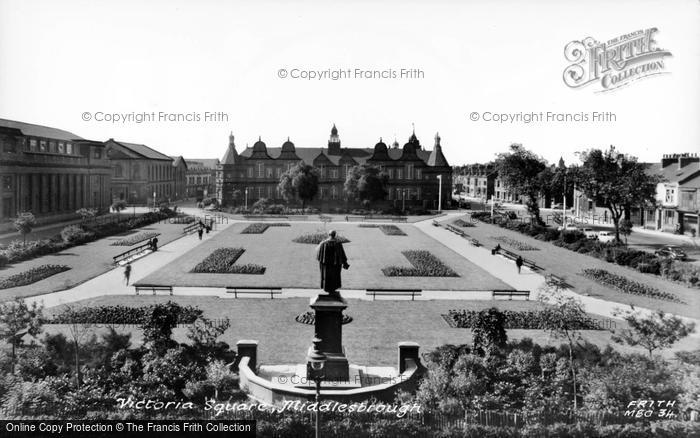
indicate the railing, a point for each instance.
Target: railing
{"x":247,"y":290}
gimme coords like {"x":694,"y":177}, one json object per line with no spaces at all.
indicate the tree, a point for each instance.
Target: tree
{"x":488,"y":331}
{"x":17,"y":319}
{"x":78,"y":332}
{"x":367,"y":183}
{"x":652,"y":332}
{"x":24,"y":223}
{"x":625,"y":228}
{"x":300,"y":181}
{"x":86,"y":214}
{"x":564,"y":320}
{"x":158,"y":326}
{"x":522,"y":172}
{"x":118,"y":206}
{"x":616,"y":181}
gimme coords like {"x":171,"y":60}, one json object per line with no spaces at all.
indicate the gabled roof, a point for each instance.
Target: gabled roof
{"x":39,"y":130}
{"x":671,"y":173}
{"x":209,"y":163}
{"x":437,"y":159}
{"x":143,"y":150}
{"x":177,"y":161}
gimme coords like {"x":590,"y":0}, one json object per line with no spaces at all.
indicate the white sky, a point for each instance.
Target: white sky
{"x":60,"y":59}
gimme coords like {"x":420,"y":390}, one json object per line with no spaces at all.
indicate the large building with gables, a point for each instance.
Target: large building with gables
{"x":412,"y":171}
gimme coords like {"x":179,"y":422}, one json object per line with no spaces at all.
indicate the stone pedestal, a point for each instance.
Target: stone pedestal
{"x":328,"y":309}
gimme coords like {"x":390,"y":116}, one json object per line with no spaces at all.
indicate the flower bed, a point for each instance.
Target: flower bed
{"x":118,"y":315}
{"x":522,"y":246}
{"x":424,"y":264}
{"x":389,"y":230}
{"x":31,"y":276}
{"x":462,"y":223}
{"x":260,"y":227}
{"x":310,"y":318}
{"x":318,"y":237}
{"x":625,"y":285}
{"x":517,"y":319}
{"x":222,"y":261}
{"x":133,"y":240}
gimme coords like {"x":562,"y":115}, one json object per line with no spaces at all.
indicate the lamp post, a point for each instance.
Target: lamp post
{"x":246,"y":198}
{"x":154,"y":199}
{"x":314,"y":371}
{"x":439,"y":177}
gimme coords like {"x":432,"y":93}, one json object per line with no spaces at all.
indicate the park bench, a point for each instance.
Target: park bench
{"x":264,"y":216}
{"x":246,"y":290}
{"x":413,"y":293}
{"x":514,"y":256}
{"x":560,"y":281}
{"x":399,"y":219}
{"x":355,"y":217}
{"x":131,"y":252}
{"x":455,"y":230}
{"x":510,"y":294}
{"x":153,"y":288}
{"x":436,"y":223}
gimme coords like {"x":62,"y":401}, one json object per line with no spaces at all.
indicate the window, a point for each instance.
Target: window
{"x":118,"y":171}
{"x":261,"y":170}
{"x":96,"y":153}
{"x":409,"y":171}
{"x":390,"y":173}
{"x":61,"y":147}
{"x":334,"y":173}
{"x":32,"y":144}
{"x":278,"y":171}
{"x":399,"y":173}
{"x":7,"y":183}
{"x":670,"y":195}
{"x":69,"y":148}
{"x":52,"y":146}
{"x":334,"y":192}
{"x":42,"y":145}
{"x":250,"y":172}
{"x":269,"y":172}
{"x":10,"y":145}
{"x":419,"y":174}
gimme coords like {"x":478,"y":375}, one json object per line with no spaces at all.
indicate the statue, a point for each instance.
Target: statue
{"x":331,"y":258}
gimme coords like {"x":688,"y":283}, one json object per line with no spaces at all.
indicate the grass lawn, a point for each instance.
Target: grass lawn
{"x":86,"y":261}
{"x":370,"y":339}
{"x":293,"y":265}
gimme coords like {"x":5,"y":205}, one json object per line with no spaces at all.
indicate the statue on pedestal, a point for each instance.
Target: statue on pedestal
{"x":331,"y":257}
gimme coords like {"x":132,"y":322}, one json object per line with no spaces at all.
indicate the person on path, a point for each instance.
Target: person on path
{"x":154,"y":244}
{"x":200,"y":231}
{"x":519,"y":263}
{"x":127,"y":273}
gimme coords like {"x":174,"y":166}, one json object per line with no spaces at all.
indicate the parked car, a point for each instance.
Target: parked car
{"x":567,"y":228}
{"x":672,"y":251}
{"x":589,"y":232}
{"x":606,"y":236}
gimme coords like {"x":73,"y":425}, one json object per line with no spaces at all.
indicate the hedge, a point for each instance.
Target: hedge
{"x":424,"y":264}
{"x":118,"y":314}
{"x":513,"y":243}
{"x":515,"y":319}
{"x":32,"y":276}
{"x":626,"y":285}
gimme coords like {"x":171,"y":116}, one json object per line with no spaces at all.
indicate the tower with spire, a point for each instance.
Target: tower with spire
{"x":334,"y":142}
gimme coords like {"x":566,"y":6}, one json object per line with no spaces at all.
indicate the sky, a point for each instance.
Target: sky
{"x":74,"y":64}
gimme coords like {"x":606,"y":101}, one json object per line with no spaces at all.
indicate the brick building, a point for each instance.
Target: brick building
{"x":139,"y":173}
{"x":481,"y":181}
{"x":201,"y":177}
{"x":412,"y":171}
{"x":50,"y":173}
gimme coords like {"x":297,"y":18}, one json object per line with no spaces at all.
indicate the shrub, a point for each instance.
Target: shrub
{"x":310,"y":318}
{"x":4,"y":260}
{"x":462,"y":223}
{"x":626,"y":285}
{"x":424,"y":264}
{"x":260,"y":227}
{"x":133,"y":240}
{"x":318,"y":237}
{"x":222,"y":261}
{"x":31,"y":276}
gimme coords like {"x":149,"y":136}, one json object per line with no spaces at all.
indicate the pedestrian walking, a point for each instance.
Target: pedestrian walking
{"x":127,"y":273}
{"x":200,"y":231}
{"x":154,"y":244}
{"x":519,"y":263}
